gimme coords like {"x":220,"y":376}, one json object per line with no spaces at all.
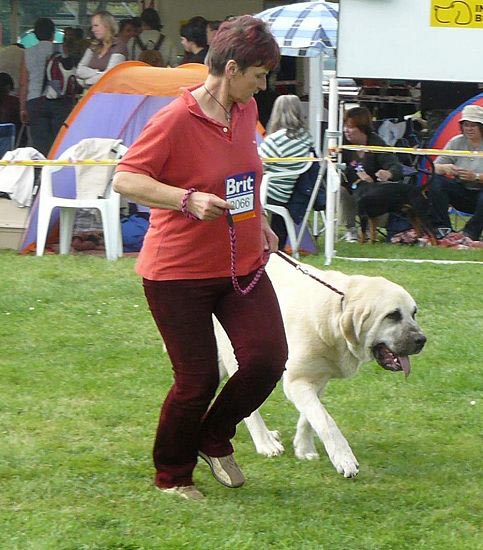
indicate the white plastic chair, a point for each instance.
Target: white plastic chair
{"x":108,"y":206}
{"x":293,"y":237}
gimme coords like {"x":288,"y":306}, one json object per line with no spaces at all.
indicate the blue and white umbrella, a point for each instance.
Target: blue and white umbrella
{"x":304,"y":29}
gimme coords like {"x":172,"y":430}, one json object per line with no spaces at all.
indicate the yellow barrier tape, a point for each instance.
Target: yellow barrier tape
{"x":412,"y":150}
{"x":369,"y":148}
{"x":106,"y":162}
{"x":381,"y":149}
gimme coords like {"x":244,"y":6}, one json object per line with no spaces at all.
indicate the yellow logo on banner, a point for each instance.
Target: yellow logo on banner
{"x":457,"y":13}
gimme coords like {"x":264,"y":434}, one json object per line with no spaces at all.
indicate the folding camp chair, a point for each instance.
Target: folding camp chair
{"x":107,"y":202}
{"x":295,"y":232}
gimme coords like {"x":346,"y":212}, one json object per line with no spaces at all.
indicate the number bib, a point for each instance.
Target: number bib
{"x":240,"y":191}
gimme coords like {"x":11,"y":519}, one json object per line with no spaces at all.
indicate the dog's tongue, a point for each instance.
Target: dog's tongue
{"x":405,"y":365}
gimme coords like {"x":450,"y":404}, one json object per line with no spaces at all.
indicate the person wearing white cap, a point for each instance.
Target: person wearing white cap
{"x":459,"y":180}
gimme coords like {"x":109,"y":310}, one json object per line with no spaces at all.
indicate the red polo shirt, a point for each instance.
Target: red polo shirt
{"x":181,"y":146}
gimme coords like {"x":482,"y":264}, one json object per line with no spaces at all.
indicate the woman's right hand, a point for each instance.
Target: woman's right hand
{"x":24,"y":116}
{"x":206,"y":206}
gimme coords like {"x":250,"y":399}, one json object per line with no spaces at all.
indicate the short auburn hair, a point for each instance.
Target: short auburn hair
{"x":361,"y":118}
{"x":245,"y":39}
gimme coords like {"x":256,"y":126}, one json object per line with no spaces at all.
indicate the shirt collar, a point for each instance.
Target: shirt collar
{"x":195,"y":109}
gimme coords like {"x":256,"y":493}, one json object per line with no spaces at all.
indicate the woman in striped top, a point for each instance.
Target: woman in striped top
{"x":287,"y":136}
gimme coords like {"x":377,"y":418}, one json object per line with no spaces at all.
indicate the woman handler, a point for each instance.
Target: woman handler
{"x":195,"y":161}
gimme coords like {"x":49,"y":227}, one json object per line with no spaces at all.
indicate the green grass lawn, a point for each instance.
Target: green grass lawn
{"x":83,"y":375}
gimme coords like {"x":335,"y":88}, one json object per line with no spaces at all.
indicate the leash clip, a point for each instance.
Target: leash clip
{"x":304,"y":270}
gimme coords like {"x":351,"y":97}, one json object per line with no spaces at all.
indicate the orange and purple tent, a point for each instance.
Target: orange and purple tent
{"x":118,"y":106}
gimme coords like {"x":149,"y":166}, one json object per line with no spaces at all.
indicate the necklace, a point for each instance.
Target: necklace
{"x":227,"y":113}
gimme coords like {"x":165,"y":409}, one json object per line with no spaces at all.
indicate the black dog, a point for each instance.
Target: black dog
{"x":374,"y":200}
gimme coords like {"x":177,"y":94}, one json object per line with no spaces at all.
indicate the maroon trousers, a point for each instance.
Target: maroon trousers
{"x":183,"y":313}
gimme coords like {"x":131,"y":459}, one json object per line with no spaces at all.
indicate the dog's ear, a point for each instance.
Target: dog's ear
{"x":352,"y":320}
{"x":346,"y":324}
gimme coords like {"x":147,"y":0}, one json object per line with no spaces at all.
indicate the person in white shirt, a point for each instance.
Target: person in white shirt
{"x":459,"y":180}
{"x":45,"y":116}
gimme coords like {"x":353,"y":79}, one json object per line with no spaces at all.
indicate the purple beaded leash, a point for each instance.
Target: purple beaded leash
{"x":231,"y":228}
{"x":234,"y":280}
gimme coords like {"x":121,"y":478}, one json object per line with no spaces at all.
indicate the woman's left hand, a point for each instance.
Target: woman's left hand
{"x":269,"y":239}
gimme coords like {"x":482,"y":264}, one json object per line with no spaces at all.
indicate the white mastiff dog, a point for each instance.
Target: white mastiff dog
{"x":330,"y":337}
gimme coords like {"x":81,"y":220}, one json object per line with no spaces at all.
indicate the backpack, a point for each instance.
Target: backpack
{"x":60,"y":77}
{"x":150,"y":45}
{"x":297,"y":205}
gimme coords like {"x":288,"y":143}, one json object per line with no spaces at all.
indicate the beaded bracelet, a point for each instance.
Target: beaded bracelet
{"x":184,"y":204}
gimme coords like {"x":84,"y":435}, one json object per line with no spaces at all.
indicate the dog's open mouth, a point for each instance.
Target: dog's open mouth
{"x":390,"y":361}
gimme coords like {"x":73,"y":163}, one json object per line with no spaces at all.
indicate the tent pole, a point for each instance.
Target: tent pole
{"x":316,"y":94}
{"x":333,"y":181}
{"x":316,"y":69}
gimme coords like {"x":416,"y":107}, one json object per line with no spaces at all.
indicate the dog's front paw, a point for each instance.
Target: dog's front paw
{"x":343,"y":459}
{"x":270,"y":444}
{"x":346,"y":465}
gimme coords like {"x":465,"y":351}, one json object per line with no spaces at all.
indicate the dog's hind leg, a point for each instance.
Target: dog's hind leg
{"x":267,"y":442}
{"x":420,"y":218}
{"x":363,"y":232}
{"x":372,"y":230}
{"x":305,"y":397}
{"x":303,"y":443}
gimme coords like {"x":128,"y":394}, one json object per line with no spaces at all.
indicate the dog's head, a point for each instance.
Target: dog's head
{"x":378,"y":321}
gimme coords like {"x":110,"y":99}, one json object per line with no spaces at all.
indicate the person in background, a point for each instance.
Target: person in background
{"x":363,"y":167}
{"x":45,"y":116}
{"x":266,"y":98}
{"x":127,"y":30}
{"x":138,"y":25}
{"x":9,"y":104}
{"x":11,"y":59}
{"x":287,"y":136}
{"x":193,"y":40}
{"x":185,"y":260}
{"x":151,"y":38}
{"x":106,"y":51}
{"x":74,"y":43}
{"x":211,"y":28}
{"x":459,"y":180}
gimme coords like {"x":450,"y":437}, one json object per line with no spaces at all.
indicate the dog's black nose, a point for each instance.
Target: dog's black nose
{"x":420,"y":340}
